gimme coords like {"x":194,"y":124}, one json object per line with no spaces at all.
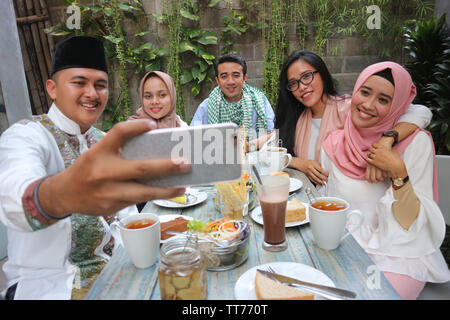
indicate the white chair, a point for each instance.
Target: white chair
{"x":3,"y":254}
{"x":441,"y":291}
{"x":3,"y":241}
{"x":443,"y":172}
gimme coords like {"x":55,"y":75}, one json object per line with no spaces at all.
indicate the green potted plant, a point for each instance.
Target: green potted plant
{"x":428,"y":46}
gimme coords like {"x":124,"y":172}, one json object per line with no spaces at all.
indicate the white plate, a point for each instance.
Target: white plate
{"x":168,"y":217}
{"x":244,"y":288}
{"x":195,"y":197}
{"x":295,"y":184}
{"x":256,"y":215}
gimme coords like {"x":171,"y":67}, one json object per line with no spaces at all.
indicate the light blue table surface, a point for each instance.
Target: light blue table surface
{"x":348,"y":266}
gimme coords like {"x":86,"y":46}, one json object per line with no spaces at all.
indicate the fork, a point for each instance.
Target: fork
{"x":304,"y":287}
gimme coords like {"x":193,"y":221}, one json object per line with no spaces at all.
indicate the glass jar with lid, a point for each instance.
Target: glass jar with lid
{"x":182,"y":272}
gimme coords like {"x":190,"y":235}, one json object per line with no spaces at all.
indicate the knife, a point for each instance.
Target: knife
{"x":326,"y":291}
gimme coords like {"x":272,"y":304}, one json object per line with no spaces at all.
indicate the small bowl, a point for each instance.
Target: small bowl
{"x":225,"y":257}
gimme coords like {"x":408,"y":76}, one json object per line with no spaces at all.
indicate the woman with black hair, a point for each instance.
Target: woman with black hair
{"x":309,"y":108}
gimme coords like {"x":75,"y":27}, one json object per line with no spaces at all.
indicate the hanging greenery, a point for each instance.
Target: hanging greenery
{"x":275,"y":47}
{"x":188,"y":42}
{"x":173,"y":13}
{"x":196,"y":45}
{"x":113,"y":22}
{"x":337,"y":18}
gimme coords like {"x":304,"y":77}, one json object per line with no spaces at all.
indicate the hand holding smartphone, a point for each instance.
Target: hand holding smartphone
{"x":214,"y":152}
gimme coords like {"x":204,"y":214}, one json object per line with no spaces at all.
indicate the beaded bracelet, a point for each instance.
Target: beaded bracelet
{"x":38,"y":205}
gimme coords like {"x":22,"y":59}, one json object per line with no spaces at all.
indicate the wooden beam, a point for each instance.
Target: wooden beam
{"x":31,"y":19}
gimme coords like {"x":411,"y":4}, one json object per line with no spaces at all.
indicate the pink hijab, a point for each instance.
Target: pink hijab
{"x":348,"y":148}
{"x":170,"y":120}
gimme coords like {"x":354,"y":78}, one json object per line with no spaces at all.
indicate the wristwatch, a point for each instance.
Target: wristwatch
{"x":397,"y":183}
{"x":393,"y":134}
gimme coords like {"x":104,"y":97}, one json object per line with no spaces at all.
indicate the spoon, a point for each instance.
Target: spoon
{"x":120,"y":223}
{"x":310,"y":196}
{"x":325,"y":188}
{"x":257,"y":174}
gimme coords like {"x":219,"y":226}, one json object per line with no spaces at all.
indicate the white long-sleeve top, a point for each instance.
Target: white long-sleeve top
{"x":413,"y":252}
{"x":38,"y":260}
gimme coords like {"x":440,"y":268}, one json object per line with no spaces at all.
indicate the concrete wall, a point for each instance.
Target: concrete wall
{"x":441,"y":7}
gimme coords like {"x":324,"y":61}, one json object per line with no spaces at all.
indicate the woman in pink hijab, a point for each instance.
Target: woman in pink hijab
{"x":309,"y":108}
{"x":158,"y":99}
{"x":403,"y":227}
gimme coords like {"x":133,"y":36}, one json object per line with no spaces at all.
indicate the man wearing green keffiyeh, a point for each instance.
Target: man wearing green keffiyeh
{"x":235,"y":101}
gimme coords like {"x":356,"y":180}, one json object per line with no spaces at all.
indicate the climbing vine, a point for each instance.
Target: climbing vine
{"x":190,"y":43}
{"x":275,"y":47}
{"x":172,"y":10}
{"x":236,"y":24}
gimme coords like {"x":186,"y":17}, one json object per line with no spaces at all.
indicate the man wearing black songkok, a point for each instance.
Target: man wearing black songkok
{"x":57,"y":192}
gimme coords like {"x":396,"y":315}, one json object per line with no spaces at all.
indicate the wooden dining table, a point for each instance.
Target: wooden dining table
{"x":348,"y":266}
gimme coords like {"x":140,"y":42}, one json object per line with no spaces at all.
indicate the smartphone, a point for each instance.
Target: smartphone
{"x":214,"y":151}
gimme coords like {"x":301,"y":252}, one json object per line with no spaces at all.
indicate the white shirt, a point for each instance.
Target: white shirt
{"x":38,"y":260}
{"x":201,"y":115}
{"x":315,"y":129}
{"x":414,"y":252}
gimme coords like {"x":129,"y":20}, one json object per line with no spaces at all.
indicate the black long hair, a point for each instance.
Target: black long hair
{"x":289,"y":108}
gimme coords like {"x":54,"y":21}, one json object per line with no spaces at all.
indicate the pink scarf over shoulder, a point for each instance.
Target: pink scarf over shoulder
{"x":336,"y":111}
{"x":170,"y":120}
{"x":348,"y":148}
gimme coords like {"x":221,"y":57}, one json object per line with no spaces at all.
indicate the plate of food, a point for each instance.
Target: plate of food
{"x":190,"y":198}
{"x":295,"y":184}
{"x":173,"y":222}
{"x":252,"y":285}
{"x":297,"y":213}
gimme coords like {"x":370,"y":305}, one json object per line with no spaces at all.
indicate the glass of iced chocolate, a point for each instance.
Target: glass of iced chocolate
{"x":273,"y":196}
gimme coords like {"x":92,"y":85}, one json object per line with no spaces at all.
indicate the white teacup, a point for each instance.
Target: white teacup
{"x":275,"y":159}
{"x":328,"y":227}
{"x":142,"y":245}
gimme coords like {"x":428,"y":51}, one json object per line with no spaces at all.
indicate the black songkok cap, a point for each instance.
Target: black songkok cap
{"x":387,"y":74}
{"x":79,"y":52}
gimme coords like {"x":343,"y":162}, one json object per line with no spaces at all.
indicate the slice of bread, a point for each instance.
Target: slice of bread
{"x":295,"y":211}
{"x":178,"y":225}
{"x":280,"y":173}
{"x":268,"y":289}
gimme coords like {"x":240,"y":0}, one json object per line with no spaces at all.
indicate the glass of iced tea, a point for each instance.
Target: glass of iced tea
{"x":182,"y":271}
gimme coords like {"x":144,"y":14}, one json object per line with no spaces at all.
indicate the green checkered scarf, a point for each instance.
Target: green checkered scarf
{"x":220,"y":110}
